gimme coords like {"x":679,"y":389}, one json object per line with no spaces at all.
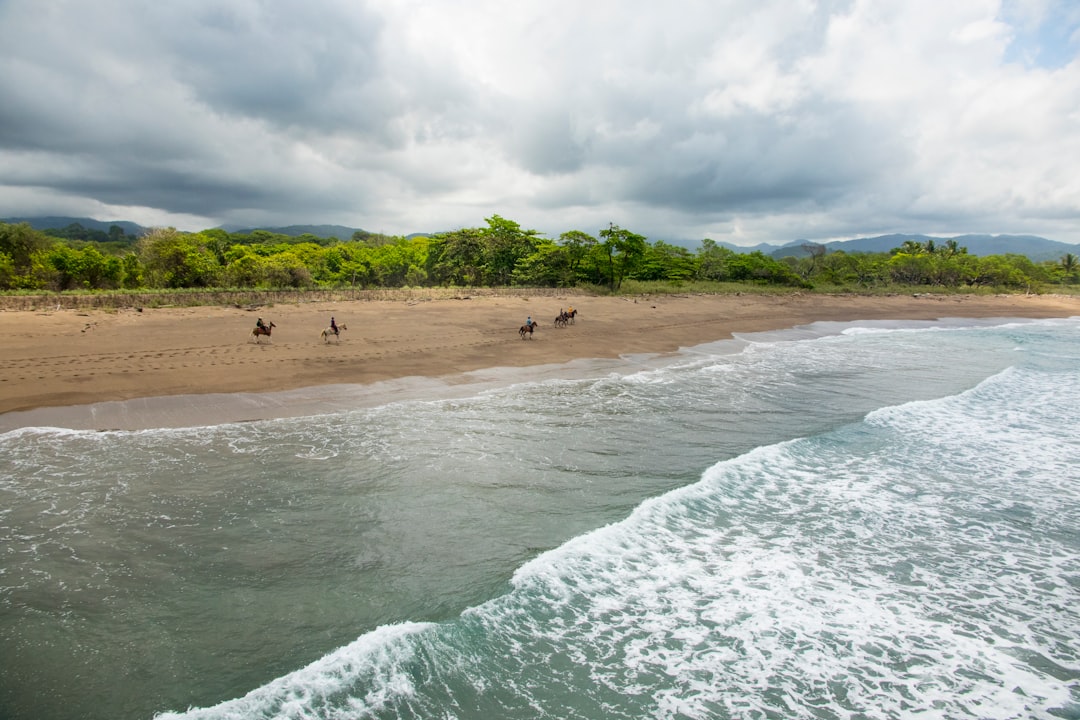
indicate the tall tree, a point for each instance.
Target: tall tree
{"x":174,"y":259}
{"x":712,"y":261}
{"x":663,"y":261}
{"x":505,"y":244}
{"x":578,"y":245}
{"x":20,"y":242}
{"x":1069,"y":265}
{"x":623,"y":251}
{"x":456,"y":257}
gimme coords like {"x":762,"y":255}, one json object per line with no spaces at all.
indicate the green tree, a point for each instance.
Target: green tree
{"x":7,"y":272}
{"x":389,"y":265}
{"x":243,"y":267}
{"x":173,"y":259}
{"x":663,"y":261}
{"x":578,"y":246}
{"x":547,"y":266}
{"x":19,"y":243}
{"x":622,"y":251}
{"x":908,"y":268}
{"x":505,"y":243}
{"x":712,"y":261}
{"x":952,"y":247}
{"x":286,"y":270}
{"x":399,"y":263}
{"x":910,"y":247}
{"x":815,"y":253}
{"x":83,"y":268}
{"x":757,"y":267}
{"x":1069,"y":267}
{"x":131,"y":272}
{"x":456,"y":258}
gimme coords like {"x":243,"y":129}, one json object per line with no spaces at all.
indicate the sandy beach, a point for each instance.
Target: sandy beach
{"x":58,"y":367}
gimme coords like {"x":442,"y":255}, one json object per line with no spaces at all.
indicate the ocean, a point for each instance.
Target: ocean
{"x":858,"y":520}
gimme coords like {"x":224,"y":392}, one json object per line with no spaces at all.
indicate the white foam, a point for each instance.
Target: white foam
{"x":803,"y":573}
{"x":375,"y":659}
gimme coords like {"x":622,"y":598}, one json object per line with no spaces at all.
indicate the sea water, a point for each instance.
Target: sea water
{"x":868,"y":520}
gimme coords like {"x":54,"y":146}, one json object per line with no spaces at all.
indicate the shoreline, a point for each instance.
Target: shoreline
{"x":173,"y":367}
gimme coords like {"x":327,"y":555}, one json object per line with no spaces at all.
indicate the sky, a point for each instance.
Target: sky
{"x":743,"y":121}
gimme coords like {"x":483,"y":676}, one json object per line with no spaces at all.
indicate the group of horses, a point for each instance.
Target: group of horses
{"x":565,"y":318}
{"x":561,"y":320}
{"x":327,"y":334}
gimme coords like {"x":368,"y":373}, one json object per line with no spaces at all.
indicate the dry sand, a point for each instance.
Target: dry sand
{"x":69,"y":358}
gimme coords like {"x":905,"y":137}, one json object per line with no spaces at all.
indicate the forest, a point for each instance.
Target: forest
{"x":499,"y":254}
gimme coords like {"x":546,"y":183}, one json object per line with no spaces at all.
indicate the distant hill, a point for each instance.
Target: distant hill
{"x":60,"y":222}
{"x":1037,"y":249}
{"x":764,"y":248}
{"x":321,"y":231}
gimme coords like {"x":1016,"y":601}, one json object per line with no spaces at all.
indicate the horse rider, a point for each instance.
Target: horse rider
{"x":333,"y":326}
{"x":528,"y":322}
{"x":261,"y":325}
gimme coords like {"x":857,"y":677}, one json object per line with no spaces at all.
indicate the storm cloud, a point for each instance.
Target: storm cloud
{"x":744,"y":121}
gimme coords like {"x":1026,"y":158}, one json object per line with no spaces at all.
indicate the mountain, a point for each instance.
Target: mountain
{"x":59,"y":223}
{"x":321,"y":231}
{"x":1037,"y":249}
{"x":764,"y":248}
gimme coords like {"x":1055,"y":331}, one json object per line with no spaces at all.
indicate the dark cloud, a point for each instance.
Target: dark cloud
{"x":748,"y":121}
{"x":299,"y":66}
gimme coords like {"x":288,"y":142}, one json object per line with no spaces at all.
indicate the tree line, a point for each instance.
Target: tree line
{"x":499,"y":254}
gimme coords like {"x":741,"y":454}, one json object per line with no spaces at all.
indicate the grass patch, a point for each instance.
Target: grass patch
{"x":36,"y":300}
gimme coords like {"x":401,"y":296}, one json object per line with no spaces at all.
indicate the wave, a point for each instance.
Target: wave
{"x":921,"y":560}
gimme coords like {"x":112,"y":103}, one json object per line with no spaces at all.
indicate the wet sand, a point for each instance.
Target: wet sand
{"x":179,"y":366}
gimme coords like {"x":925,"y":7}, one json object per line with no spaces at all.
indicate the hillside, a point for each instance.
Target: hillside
{"x":320,"y":231}
{"x":55,"y":222}
{"x":1038,"y":249}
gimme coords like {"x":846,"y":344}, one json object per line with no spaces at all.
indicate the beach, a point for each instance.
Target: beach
{"x":67,"y":368}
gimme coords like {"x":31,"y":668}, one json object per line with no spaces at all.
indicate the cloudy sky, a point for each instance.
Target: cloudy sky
{"x":743,"y":121}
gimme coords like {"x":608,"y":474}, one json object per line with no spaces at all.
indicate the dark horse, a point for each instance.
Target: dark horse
{"x":257,"y":331}
{"x":563,"y":318}
{"x":526,"y":331}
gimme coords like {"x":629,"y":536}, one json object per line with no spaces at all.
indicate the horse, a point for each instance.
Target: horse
{"x":570,"y":315}
{"x":561,"y":320}
{"x":526,"y":331}
{"x":257,"y":331}
{"x":329,"y":333}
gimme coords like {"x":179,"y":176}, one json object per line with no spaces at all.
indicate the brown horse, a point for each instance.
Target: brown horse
{"x":526,"y":331}
{"x":258,"y":331}
{"x":564,"y":318}
{"x":329,"y":333}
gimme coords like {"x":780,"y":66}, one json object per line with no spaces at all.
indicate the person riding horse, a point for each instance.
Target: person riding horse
{"x":262,"y":326}
{"x":334,"y":327}
{"x":526,"y":330}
